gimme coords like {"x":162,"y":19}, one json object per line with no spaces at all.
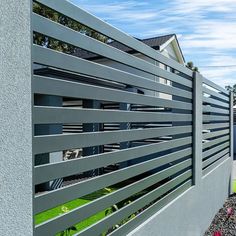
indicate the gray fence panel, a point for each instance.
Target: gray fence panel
{"x":134,"y":206}
{"x":56,"y":59}
{"x":53,"y":143}
{"x":44,"y":85}
{"x":215,"y":118}
{"x":81,"y":213}
{"x":92,"y":22}
{"x":50,"y":115}
{"x":215,"y":164}
{"x":215,"y":150}
{"x":215,"y":134}
{"x":216,"y":102}
{"x":215,"y":126}
{"x":215,"y":86}
{"x":135,"y":222}
{"x":60,"y":32}
{"x":208,"y":108}
{"x":216,"y":95}
{"x":60,"y":196}
{"x":215,"y":142}
{"x":52,"y":171}
{"x":177,"y":138}
{"x":215,"y":157}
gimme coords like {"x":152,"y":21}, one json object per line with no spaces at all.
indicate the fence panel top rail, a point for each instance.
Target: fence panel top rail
{"x":69,"y":9}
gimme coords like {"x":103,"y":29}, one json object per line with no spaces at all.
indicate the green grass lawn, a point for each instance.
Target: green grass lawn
{"x":52,"y":213}
{"x":234,"y":186}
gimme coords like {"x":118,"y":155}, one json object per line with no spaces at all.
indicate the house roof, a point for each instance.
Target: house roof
{"x":155,"y":43}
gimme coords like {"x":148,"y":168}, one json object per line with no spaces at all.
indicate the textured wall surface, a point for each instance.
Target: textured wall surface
{"x":234,"y":142}
{"x":15,"y":118}
{"x":192,"y":212}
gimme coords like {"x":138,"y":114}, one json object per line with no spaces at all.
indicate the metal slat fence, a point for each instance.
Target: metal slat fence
{"x":216,"y":125}
{"x":152,"y":146}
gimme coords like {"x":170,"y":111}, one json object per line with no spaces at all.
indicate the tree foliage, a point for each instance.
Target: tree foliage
{"x":48,"y":42}
{"x":191,"y":66}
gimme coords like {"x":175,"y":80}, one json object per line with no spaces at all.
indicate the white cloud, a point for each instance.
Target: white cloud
{"x":207,"y":28}
{"x":122,"y":11}
{"x":202,"y":6}
{"x":218,"y":35}
{"x":217,"y":72}
{"x":221,"y":76}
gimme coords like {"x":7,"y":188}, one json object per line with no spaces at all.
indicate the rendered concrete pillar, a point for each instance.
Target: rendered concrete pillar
{"x":232,"y":151}
{"x":197,"y":128}
{"x":234,"y":141}
{"x":16,"y":186}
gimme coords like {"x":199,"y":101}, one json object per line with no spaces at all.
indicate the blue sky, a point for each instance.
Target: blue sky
{"x":206,"y":29}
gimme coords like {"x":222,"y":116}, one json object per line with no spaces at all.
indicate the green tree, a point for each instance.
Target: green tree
{"x":191,"y":66}
{"x":232,"y":89}
{"x":48,"y":42}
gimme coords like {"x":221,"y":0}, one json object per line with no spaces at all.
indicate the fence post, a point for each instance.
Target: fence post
{"x":231,"y":131}
{"x":231,"y":125}
{"x":197,"y":128}
{"x":16,"y":188}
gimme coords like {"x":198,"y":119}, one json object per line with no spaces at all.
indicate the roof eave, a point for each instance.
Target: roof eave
{"x":177,"y":48}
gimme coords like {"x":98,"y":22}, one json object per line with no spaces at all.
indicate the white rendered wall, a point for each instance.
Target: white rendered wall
{"x":16,"y":189}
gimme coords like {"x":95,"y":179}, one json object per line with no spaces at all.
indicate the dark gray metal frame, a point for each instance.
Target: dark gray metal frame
{"x":181,"y":162}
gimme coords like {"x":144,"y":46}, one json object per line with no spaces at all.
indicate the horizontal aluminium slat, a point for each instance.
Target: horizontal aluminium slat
{"x":134,"y":206}
{"x":215,"y":164}
{"x":125,"y":228}
{"x":50,"y":86}
{"x":215,"y":141}
{"x":69,"y":9}
{"x":215,"y":126}
{"x":216,"y":102}
{"x":208,"y":108}
{"x":215,"y":94}
{"x":214,"y":158}
{"x":56,"y":197}
{"x":44,"y":173}
{"x":52,"y":143}
{"x":53,"y":115}
{"x":215,"y":150}
{"x":58,"y":31}
{"x":71,"y":63}
{"x":207,"y":118}
{"x":215,"y":134}
{"x":79,"y":214}
{"x":215,"y":86}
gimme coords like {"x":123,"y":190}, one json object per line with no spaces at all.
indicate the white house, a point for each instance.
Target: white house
{"x":167,"y":45}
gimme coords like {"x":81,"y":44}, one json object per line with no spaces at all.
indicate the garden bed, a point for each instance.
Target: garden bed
{"x":224,"y":223}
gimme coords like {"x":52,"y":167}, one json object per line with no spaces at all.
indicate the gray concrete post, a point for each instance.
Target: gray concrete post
{"x":231,"y":125}
{"x":16,"y":185}
{"x":197,"y":128}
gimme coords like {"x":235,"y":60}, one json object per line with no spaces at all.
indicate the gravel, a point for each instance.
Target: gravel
{"x":223,"y":221}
